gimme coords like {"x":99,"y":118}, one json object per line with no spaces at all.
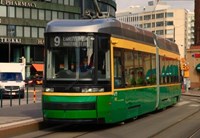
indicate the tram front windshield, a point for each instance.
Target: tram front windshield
{"x":73,"y":58}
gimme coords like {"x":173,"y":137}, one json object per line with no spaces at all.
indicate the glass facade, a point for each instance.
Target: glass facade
{"x":23,"y":23}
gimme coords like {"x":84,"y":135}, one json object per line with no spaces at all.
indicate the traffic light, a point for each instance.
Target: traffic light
{"x":183,"y":65}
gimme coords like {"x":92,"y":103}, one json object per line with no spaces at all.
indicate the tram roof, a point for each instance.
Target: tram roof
{"x":86,"y":25}
{"x":113,"y":27}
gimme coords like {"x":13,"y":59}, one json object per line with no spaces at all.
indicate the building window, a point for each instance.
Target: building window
{"x":54,"y":15}
{"x":41,"y":14}
{"x":76,"y":16}
{"x":3,"y":31}
{"x":66,"y":2}
{"x":34,"y":14}
{"x":153,"y":16}
{"x":27,"y":31}
{"x":11,"y":12}
{"x":141,"y":18}
{"x":60,"y":15}
{"x":153,"y":24}
{"x":54,"y":1}
{"x":3,"y":11}
{"x":19,"y":12}
{"x":147,"y":25}
{"x":169,"y":23}
{"x":158,"y":24}
{"x":66,"y":15}
{"x":27,"y":13}
{"x":41,"y":32}
{"x":147,"y":17}
{"x":11,"y":30}
{"x":170,"y":31}
{"x":34,"y":32}
{"x":19,"y":31}
{"x":169,"y":14}
{"x":60,"y":2}
{"x":48,"y":15}
{"x":71,"y":2}
{"x":159,"y":32}
{"x":159,"y":15}
{"x":71,"y":16}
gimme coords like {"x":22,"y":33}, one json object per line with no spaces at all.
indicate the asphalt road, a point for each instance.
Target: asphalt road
{"x":179,"y":121}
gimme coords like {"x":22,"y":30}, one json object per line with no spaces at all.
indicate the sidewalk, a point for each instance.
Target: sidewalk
{"x":193,"y":92}
{"x":18,"y":114}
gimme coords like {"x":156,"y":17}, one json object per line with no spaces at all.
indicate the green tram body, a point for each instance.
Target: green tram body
{"x":117,"y":104}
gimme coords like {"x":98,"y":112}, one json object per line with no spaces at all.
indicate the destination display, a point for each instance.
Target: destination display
{"x":70,"y":41}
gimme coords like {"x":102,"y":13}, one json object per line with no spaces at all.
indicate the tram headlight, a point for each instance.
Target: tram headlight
{"x":92,"y":90}
{"x":49,"y":89}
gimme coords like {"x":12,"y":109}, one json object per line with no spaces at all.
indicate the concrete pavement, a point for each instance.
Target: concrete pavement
{"x":192,"y":92}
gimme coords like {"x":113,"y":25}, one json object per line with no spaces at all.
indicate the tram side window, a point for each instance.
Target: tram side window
{"x":139,"y":68}
{"x":150,"y":69}
{"x":118,"y":77}
{"x":169,"y":70}
{"x":162,"y":70}
{"x":129,"y":68}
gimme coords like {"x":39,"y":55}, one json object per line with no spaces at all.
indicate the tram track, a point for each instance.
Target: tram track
{"x":189,"y":117}
{"x":178,"y":125}
{"x":194,"y":134}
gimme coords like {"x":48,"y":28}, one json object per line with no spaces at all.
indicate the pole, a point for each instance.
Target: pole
{"x":1,"y":90}
{"x":9,"y":36}
{"x":34,"y":95}
{"x":27,"y":93}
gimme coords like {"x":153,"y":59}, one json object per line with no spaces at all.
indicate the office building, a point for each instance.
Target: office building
{"x":174,"y":24}
{"x":22,"y":26}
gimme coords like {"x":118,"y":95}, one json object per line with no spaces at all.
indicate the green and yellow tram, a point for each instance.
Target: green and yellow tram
{"x":105,"y":71}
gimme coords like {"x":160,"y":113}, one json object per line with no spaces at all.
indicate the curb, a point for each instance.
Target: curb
{"x":20,"y":127}
{"x":188,"y":94}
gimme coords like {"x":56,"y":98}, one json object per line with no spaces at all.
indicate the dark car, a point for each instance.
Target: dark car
{"x":39,"y":80}
{"x":29,"y":82}
{"x":34,"y":81}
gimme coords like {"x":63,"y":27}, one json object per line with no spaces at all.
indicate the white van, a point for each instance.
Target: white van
{"x":12,"y":77}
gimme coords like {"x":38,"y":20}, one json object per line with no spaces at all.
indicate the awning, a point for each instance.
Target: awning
{"x":38,"y":67}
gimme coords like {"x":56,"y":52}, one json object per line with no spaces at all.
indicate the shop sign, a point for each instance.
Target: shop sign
{"x":198,"y":68}
{"x":17,"y":3}
{"x":40,"y":41}
{"x":196,"y":55}
{"x":12,"y":40}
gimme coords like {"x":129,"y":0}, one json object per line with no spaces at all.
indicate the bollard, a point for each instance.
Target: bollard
{"x":1,"y":97}
{"x":10,"y":96}
{"x":27,"y":94}
{"x":19,"y":97}
{"x":34,"y":95}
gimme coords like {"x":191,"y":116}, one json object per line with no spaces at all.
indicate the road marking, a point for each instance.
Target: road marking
{"x":182,"y":103}
{"x":194,"y":105}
